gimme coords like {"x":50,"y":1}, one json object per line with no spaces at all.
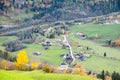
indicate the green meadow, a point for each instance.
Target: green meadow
{"x":39,"y":75}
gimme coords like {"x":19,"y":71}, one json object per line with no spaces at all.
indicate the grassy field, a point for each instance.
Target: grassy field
{"x":39,"y":75}
{"x":52,"y":55}
{"x":105,"y":32}
{"x":98,"y":63}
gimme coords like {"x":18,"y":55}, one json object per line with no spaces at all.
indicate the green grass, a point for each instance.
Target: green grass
{"x":6,"y":39}
{"x":22,"y":15}
{"x":39,"y":75}
{"x":104,"y":31}
{"x":52,"y":55}
{"x":97,"y":47}
{"x":91,"y":30}
{"x":98,"y":63}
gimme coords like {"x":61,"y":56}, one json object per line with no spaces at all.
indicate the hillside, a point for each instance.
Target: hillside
{"x":55,"y":10}
{"x":59,"y":39}
{"x":39,"y":75}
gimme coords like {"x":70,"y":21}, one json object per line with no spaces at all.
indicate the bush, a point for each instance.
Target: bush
{"x":117,"y":42}
{"x":79,"y":70}
{"x":34,"y":65}
{"x":7,"y":56}
{"x":47,"y":68}
{"x":4,"y":64}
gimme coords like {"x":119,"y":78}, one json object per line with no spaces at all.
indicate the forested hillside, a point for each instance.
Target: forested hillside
{"x":52,"y":10}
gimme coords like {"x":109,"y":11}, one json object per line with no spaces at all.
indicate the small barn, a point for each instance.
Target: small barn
{"x":37,"y":53}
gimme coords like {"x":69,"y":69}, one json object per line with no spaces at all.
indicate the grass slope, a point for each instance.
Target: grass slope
{"x":39,"y":75}
{"x":98,"y":63}
{"x":52,"y":55}
{"x":104,"y":31}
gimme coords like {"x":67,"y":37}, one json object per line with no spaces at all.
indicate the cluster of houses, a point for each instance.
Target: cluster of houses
{"x":67,"y":59}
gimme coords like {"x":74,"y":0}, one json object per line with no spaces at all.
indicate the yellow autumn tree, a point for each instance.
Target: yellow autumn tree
{"x":22,"y":60}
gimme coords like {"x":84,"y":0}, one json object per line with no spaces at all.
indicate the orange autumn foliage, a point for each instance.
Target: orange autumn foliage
{"x":108,"y":78}
{"x":4,"y":64}
{"x":117,"y":42}
{"x":83,"y":70}
{"x":79,"y":70}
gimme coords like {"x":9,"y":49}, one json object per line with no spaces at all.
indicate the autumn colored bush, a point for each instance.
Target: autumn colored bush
{"x":4,"y":64}
{"x":79,"y":70}
{"x":47,"y":68}
{"x":117,"y":42}
{"x":108,"y":78}
{"x":34,"y":65}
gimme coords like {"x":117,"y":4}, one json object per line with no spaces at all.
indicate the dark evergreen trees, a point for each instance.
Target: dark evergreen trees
{"x":115,"y":76}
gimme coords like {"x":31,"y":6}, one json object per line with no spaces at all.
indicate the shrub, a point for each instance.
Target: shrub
{"x":117,"y":42}
{"x":79,"y":70}
{"x":7,"y":56}
{"x":47,"y":68}
{"x":34,"y":65}
{"x":4,"y":64}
